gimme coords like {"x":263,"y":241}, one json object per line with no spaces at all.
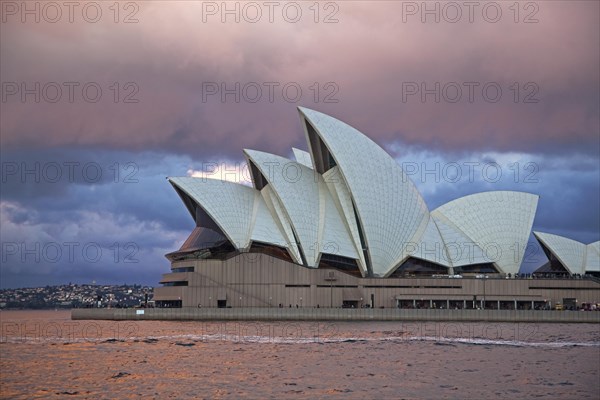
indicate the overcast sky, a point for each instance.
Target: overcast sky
{"x":101,"y":103}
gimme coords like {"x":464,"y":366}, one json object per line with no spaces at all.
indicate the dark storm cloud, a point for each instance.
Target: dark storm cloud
{"x":134,"y":220}
{"x":63,"y":180}
{"x":568,"y":186}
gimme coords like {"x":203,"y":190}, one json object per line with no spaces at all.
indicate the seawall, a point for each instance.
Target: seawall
{"x":332,"y":314}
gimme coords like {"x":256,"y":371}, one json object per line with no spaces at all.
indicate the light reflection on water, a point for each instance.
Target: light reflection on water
{"x":45,"y":354}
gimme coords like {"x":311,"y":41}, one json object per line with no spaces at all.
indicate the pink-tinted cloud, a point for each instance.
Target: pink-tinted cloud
{"x":370,"y":55}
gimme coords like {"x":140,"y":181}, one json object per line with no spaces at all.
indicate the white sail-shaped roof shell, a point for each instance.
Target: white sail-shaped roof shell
{"x":575,"y":256}
{"x":264,"y":228}
{"x":592,"y":257}
{"x":390,"y":210}
{"x":431,"y":246}
{"x":282,"y":220}
{"x":302,"y":157}
{"x":335,"y":237}
{"x":499,"y":222}
{"x":460,"y":249}
{"x":229,"y":204}
{"x":237,"y":209}
{"x":308,"y":205}
{"x":341,"y":196}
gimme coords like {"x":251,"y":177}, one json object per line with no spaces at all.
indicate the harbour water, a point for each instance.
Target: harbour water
{"x":44,"y":354}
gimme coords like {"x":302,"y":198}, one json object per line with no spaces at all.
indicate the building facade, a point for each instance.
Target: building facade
{"x":260,"y":280}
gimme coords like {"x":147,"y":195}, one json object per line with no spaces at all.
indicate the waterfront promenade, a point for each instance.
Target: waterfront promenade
{"x":333,"y":314}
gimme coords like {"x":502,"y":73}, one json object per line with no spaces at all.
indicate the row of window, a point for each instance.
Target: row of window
{"x":183,"y":269}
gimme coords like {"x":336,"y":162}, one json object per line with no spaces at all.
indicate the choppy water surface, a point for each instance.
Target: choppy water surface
{"x":46,"y":355}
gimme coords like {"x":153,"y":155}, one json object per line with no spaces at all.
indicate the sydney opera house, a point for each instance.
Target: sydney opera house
{"x":343,"y":226}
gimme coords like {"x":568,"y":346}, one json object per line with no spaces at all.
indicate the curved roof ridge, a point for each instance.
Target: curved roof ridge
{"x":282,"y":221}
{"x":500,"y":219}
{"x":390,"y":209}
{"x":303,"y":157}
{"x":305,"y":199}
{"x":341,"y":196}
{"x":460,"y":248}
{"x":569,"y":252}
{"x":432,"y":237}
{"x":264,"y":227}
{"x":592,"y":257}
{"x":229,"y":204}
